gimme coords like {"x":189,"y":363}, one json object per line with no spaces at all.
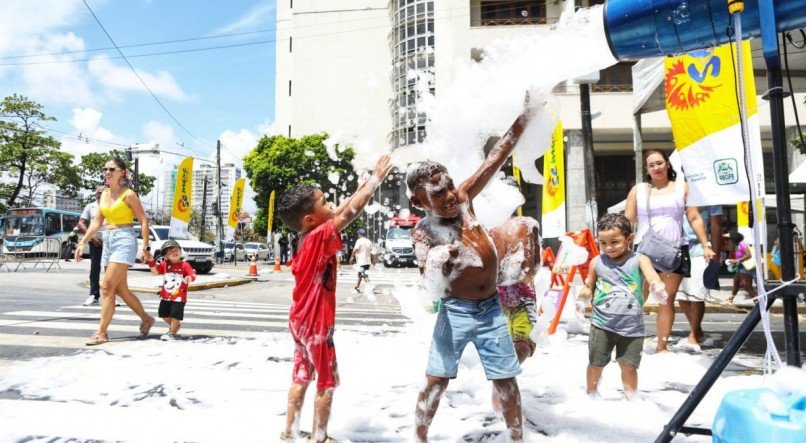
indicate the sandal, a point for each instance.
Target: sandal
{"x":291,"y":437}
{"x":146,"y":326}
{"x":97,"y":339}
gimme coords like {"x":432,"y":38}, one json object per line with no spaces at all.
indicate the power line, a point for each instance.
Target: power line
{"x":138,"y":75}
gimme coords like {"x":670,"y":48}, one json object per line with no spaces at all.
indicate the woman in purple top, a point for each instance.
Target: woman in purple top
{"x":741,"y":252}
{"x":667,"y":207}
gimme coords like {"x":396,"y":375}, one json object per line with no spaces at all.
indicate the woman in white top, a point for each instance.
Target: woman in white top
{"x":667,"y":206}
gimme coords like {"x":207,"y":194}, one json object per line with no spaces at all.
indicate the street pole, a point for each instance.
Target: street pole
{"x":587,"y":139}
{"x":204,"y":208}
{"x":220,"y":226}
{"x":136,"y":173}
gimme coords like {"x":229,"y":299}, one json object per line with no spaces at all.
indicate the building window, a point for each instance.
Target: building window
{"x":507,"y":13}
{"x":289,"y":130}
{"x":617,"y":78}
{"x":291,"y":4}
{"x":289,"y":88}
{"x":290,"y":44}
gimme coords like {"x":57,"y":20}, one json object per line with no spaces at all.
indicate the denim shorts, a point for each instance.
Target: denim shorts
{"x":481,"y":322}
{"x":120,"y":246}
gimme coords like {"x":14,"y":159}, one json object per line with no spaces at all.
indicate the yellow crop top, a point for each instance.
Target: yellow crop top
{"x":118,"y":213}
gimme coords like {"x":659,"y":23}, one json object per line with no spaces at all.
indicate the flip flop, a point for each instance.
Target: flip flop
{"x":146,"y":326}
{"x":97,"y":339}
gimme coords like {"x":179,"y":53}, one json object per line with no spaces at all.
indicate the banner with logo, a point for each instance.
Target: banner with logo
{"x":516,"y":173}
{"x":702,"y":106}
{"x":553,"y":218}
{"x":270,"y":214}
{"x":236,"y":203}
{"x":183,"y":190}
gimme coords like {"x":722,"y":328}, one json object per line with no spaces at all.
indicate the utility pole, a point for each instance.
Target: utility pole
{"x":220,"y":227}
{"x":204,"y":208}
{"x":587,"y":139}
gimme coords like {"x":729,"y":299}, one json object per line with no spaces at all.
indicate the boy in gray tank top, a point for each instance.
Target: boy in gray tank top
{"x":615,"y":281}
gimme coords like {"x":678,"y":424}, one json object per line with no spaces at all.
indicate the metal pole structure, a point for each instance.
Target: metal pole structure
{"x":220,"y":225}
{"x":136,"y":174}
{"x":204,"y":208}
{"x":587,"y":139}
{"x":784,"y":210}
{"x":638,"y":148}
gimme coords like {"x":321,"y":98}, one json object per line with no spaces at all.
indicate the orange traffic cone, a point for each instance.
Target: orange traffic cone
{"x":277,"y":267}
{"x":252,"y":268}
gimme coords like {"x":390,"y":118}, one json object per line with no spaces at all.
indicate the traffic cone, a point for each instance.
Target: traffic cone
{"x":277,"y":267}
{"x":252,"y":268}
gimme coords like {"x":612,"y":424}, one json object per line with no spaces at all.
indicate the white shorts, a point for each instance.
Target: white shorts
{"x":692,"y":288}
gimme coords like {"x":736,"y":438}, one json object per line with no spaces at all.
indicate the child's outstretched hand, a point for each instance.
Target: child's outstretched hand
{"x":383,"y":167}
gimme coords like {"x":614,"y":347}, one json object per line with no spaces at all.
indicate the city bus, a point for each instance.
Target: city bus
{"x":25,"y":229}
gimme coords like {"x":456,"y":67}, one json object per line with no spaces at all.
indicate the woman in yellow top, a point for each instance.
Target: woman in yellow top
{"x":118,"y":206}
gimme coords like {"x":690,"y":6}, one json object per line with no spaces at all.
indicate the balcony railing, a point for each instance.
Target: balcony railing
{"x":512,"y":21}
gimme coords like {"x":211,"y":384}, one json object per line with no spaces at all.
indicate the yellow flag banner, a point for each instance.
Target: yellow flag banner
{"x":270,"y":217}
{"x":183,"y":190}
{"x":743,"y":214}
{"x":236,"y":203}
{"x":553,"y":217}
{"x":702,"y":106}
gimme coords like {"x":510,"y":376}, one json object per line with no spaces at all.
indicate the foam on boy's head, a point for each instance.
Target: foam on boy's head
{"x":419,"y":174}
{"x":294,"y":204}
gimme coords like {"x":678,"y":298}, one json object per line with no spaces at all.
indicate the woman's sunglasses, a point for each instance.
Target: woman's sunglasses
{"x":109,"y":169}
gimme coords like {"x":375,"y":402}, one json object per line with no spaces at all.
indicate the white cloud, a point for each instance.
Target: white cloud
{"x":87,"y":124}
{"x":268,"y":129}
{"x":256,"y":17}
{"x":157,"y":132}
{"x":121,"y":78}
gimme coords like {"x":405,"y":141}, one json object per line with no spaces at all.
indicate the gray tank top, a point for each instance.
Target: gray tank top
{"x":618,"y":301}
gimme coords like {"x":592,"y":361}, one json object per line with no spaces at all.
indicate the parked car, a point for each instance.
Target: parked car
{"x":399,"y":248}
{"x":201,"y":256}
{"x":234,"y":250}
{"x":259,"y":250}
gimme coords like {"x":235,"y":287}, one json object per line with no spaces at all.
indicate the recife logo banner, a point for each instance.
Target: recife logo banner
{"x":702,"y":106}
{"x":553,"y":219}
{"x":180,"y":213}
{"x":270,"y":215}
{"x":236,"y":203}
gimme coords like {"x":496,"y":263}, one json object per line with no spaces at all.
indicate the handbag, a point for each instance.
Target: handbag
{"x":664,"y":254}
{"x":750,"y":263}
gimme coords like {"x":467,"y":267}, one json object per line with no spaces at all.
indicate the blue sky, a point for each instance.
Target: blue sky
{"x":225,"y":94}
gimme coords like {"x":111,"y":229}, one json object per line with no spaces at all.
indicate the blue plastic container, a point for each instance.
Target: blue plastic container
{"x":760,"y":415}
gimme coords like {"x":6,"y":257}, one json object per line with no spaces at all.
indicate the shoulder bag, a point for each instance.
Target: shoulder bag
{"x":664,"y":254}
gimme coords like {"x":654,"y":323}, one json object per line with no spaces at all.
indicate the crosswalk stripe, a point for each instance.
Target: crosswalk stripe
{"x":192,"y":304}
{"x":385,"y":327}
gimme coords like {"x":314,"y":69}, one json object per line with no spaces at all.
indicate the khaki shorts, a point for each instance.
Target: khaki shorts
{"x":692,"y":288}
{"x":601,"y":344}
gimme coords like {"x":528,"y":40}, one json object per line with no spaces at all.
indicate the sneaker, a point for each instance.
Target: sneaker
{"x":356,"y":291}
{"x":168,"y":337}
{"x":91,"y":301}
{"x":687,"y":346}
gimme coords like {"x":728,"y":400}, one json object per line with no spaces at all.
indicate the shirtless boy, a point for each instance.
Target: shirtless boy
{"x":458,"y":262}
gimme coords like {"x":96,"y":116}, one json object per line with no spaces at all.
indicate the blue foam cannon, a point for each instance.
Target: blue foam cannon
{"x":647,"y":28}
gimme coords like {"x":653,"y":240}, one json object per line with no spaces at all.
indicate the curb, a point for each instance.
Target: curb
{"x":721,"y":309}
{"x":199,"y":287}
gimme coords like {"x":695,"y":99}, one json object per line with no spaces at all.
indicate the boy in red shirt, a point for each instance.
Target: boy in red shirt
{"x":177,"y":276}
{"x":312,"y":315}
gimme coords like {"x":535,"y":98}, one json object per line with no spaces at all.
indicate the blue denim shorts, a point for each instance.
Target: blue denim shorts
{"x":460,"y":322}
{"x":120,"y":246}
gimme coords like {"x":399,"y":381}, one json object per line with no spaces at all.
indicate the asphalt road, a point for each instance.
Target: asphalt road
{"x":41,"y":313}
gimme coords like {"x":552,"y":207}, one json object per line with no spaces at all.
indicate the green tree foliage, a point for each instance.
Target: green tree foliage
{"x":28,"y":156}
{"x":278,"y":163}
{"x":92,"y":177}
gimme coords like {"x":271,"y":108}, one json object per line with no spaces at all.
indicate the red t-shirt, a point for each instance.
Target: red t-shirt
{"x":314,"y":306}
{"x":173,"y":286}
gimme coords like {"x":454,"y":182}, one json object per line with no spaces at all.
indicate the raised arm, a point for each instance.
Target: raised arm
{"x":361,"y":196}
{"x":498,"y":155}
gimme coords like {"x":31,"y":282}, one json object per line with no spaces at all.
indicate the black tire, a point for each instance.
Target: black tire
{"x":203,"y":268}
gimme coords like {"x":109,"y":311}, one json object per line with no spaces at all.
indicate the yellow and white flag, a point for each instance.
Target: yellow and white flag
{"x":236,"y":203}
{"x":702,"y":106}
{"x":553,"y":219}
{"x":183,"y":190}
{"x":270,"y":214}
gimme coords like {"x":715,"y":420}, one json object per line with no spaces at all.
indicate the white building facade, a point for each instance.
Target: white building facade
{"x":349,"y":68}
